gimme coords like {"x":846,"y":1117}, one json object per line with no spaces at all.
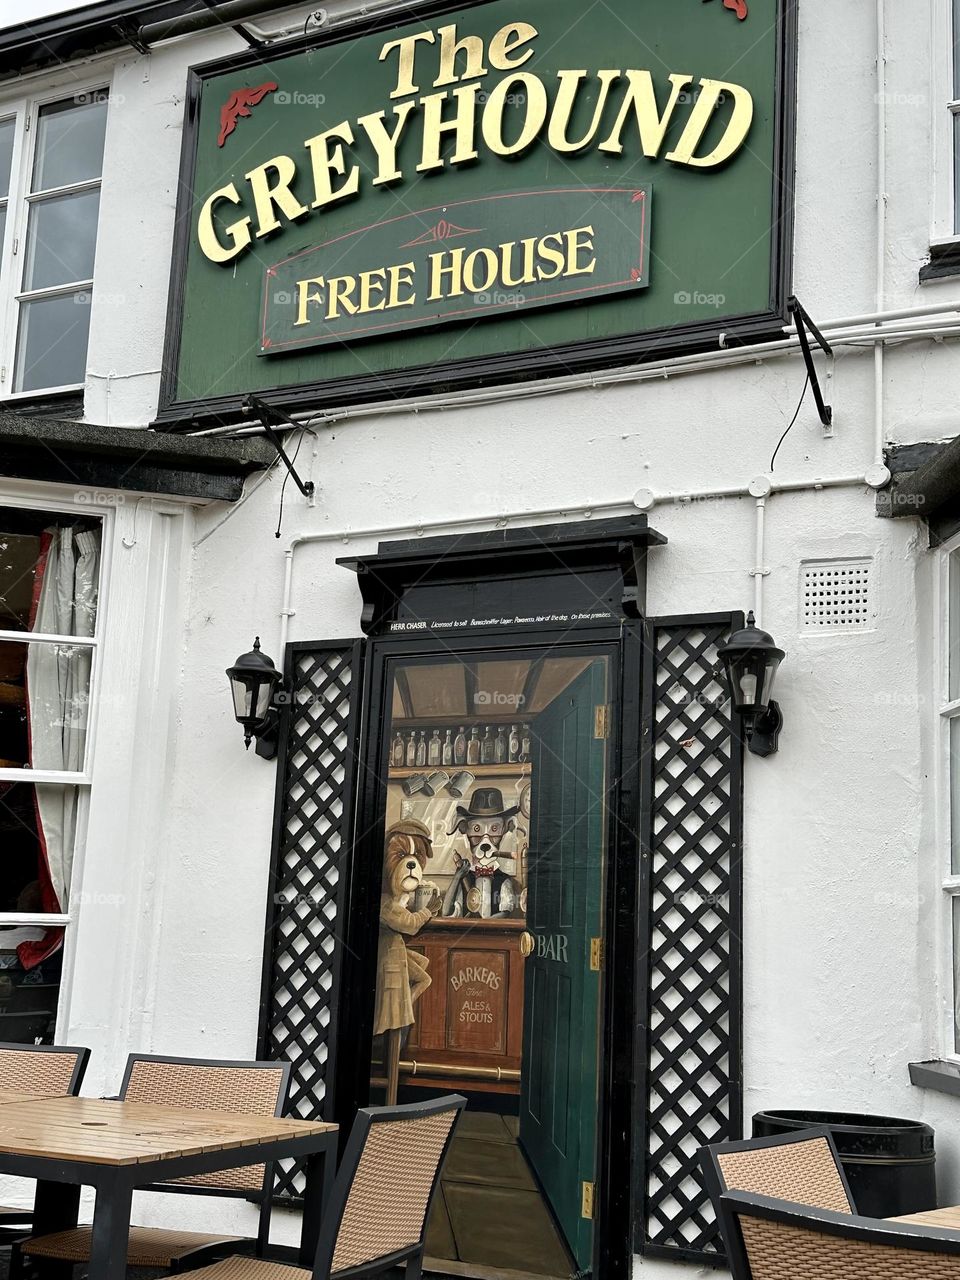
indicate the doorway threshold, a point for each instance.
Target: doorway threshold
{"x":439,"y":1267}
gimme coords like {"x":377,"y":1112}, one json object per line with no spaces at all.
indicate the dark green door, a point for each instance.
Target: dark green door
{"x":558,"y":1103}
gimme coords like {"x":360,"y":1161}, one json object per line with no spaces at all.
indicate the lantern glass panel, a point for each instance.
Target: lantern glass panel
{"x":242,"y":699}
{"x":770,"y":677}
{"x":264,"y":693}
{"x":748,"y":679}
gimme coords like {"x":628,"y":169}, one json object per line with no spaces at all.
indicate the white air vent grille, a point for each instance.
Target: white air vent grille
{"x":836,"y":595}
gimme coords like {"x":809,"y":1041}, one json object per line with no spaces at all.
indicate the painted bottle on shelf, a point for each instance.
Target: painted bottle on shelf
{"x":460,"y":747}
{"x":422,"y":749}
{"x":435,"y":749}
{"x":398,"y":752}
{"x":500,"y":747}
{"x":411,"y":756}
{"x":525,"y":744}
{"x":513,"y":746}
{"x":488,"y":747}
{"x":447,"y":752}
{"x":473,"y":746}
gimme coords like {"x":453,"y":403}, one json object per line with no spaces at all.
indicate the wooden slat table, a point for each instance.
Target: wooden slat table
{"x":948,"y":1218}
{"x":67,"y":1143}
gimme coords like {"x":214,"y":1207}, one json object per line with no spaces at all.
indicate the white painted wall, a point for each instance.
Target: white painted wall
{"x":842,"y":958}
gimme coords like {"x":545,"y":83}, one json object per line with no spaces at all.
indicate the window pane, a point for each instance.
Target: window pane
{"x":61,"y":240}
{"x":30,"y":956}
{"x":956,"y":973}
{"x":3,"y":223}
{"x":956,"y":50}
{"x":955,"y":796}
{"x":13,"y":707}
{"x":7,"y":130}
{"x":49,"y":572}
{"x":70,"y":141}
{"x":44,"y":705}
{"x":52,"y":345}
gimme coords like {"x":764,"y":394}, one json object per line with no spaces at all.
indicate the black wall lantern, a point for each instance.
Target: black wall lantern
{"x":751,"y":661}
{"x":253,"y":681}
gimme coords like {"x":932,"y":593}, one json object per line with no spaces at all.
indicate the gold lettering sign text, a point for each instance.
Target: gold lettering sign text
{"x":454,"y":115}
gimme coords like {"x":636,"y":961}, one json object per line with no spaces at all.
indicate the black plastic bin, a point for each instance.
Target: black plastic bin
{"x":890,"y":1164}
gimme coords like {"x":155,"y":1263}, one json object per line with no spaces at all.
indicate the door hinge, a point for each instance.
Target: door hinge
{"x":586,"y":1200}
{"x":596,"y":955}
{"x":601,"y":722}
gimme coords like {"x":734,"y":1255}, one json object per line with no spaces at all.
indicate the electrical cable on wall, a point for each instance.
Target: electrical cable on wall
{"x":283,"y":488}
{"x":803,"y":396}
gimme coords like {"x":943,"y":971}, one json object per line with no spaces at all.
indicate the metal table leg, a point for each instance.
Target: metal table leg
{"x":56,"y":1207}
{"x":320,"y":1170}
{"x":111,"y":1229}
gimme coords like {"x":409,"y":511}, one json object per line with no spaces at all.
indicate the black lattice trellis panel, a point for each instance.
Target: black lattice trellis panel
{"x":312,"y":837}
{"x":691,"y":1046}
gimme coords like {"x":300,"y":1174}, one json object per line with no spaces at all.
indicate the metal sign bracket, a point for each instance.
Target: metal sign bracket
{"x":270,"y":418}
{"x":805,"y":328}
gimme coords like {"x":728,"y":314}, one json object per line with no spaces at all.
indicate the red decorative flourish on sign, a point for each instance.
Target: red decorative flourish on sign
{"x":739,"y":7}
{"x":442,"y":230}
{"x":239,"y":104}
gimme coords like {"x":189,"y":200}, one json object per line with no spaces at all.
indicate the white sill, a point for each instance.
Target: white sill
{"x":40,"y":391}
{"x":56,"y":776}
{"x":33,"y":919}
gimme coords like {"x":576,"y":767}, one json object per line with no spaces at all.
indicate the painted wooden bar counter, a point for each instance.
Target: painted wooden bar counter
{"x":115,"y":1147}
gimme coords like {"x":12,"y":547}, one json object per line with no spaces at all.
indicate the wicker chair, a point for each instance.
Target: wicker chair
{"x":254,"y":1088}
{"x":47,"y":1070}
{"x":774,"y":1239}
{"x":801,"y":1167}
{"x":378,"y":1210}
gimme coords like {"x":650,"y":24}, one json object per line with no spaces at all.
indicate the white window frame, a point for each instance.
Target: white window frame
{"x":81,"y":780}
{"x":26,"y":111}
{"x":946,"y":711}
{"x":946,"y":215}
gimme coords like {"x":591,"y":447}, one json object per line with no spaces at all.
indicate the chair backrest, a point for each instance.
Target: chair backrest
{"x":48,"y":1070}
{"x":385,"y":1185}
{"x":802,"y":1167}
{"x":254,"y":1088}
{"x":774,"y":1239}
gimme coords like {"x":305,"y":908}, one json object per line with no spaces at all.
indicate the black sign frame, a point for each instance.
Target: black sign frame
{"x":429,"y":380}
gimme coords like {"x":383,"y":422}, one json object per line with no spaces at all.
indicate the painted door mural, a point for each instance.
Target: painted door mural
{"x":561,"y":975}
{"x":491,"y":893}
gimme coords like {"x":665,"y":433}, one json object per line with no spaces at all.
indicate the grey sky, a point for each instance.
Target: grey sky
{"x":13,"y":12}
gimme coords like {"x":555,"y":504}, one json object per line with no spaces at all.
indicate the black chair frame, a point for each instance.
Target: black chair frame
{"x":83,"y":1057}
{"x":877,"y":1231}
{"x":411,"y":1257}
{"x":713,"y":1175}
{"x":265,"y":1198}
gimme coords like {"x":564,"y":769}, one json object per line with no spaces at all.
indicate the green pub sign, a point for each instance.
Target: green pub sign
{"x":504,"y":189}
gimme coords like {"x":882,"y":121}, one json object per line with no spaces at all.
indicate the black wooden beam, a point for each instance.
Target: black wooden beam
{"x":932,"y":489}
{"x":92,"y":457}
